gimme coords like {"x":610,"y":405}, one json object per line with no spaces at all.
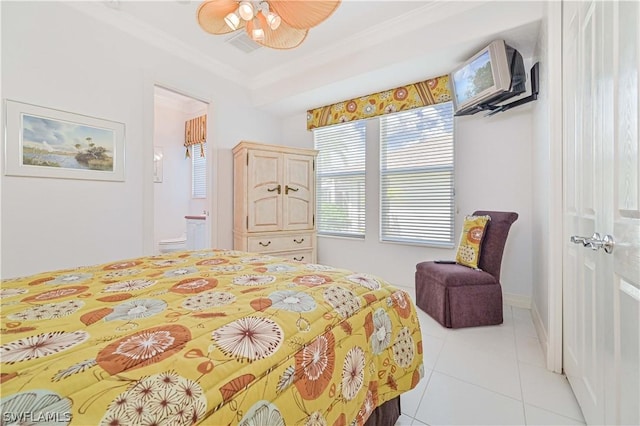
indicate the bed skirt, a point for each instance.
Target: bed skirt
{"x":385,"y":415}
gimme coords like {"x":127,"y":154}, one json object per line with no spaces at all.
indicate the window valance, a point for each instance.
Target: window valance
{"x":195,"y":133}
{"x":416,"y":95}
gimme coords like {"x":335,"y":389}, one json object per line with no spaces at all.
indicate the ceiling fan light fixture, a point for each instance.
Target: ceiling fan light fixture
{"x":246,"y":10}
{"x":273,"y":20}
{"x":232,"y":20}
{"x":257,"y":33}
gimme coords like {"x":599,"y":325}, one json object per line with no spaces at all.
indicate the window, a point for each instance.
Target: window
{"x":416,"y":176}
{"x":198,"y":172}
{"x":340,"y":179}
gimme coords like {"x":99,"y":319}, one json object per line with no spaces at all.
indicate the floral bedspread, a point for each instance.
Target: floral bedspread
{"x":212,"y":337}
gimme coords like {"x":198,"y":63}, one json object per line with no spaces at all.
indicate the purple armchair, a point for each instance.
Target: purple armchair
{"x":458,"y":296}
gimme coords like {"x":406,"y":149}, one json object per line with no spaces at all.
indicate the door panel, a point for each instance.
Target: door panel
{"x":629,"y":351}
{"x":570,"y":312}
{"x":626,"y":215}
{"x":627,"y":140}
{"x":571,"y":346}
{"x":298,"y":203}
{"x":264,"y":191}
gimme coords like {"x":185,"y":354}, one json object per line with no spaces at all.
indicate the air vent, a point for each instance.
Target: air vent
{"x":113,"y":4}
{"x":243,"y":42}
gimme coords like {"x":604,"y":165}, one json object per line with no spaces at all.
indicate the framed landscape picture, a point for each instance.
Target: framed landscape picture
{"x":44,"y":142}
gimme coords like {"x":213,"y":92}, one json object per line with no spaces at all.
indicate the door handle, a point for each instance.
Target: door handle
{"x":595,"y":242}
{"x":277,"y":188}
{"x":288,"y":188}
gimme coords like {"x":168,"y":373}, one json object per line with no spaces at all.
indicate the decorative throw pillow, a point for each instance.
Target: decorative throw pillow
{"x":471,"y":240}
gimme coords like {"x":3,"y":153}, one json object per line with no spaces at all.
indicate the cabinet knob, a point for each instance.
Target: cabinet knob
{"x":298,"y":259}
{"x":263,"y":244}
{"x":298,"y":242}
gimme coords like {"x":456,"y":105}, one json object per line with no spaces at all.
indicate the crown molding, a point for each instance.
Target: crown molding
{"x":434,"y":11}
{"x":158,"y":38}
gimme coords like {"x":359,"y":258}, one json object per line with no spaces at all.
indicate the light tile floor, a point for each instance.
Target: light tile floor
{"x":487,"y":376}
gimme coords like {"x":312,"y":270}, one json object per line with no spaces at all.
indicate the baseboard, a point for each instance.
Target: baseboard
{"x":517,"y":300}
{"x":541,"y":332}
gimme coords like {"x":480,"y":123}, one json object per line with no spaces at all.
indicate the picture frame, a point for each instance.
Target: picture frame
{"x":50,"y":143}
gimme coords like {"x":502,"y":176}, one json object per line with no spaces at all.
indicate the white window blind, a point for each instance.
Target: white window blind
{"x":198,"y":172}
{"x":416,"y":176}
{"x":340,"y":179}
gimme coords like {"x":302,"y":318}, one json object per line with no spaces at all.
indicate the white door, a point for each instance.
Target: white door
{"x":601,"y":290}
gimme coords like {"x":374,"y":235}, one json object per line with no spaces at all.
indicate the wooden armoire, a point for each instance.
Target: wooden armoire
{"x":274,"y":200}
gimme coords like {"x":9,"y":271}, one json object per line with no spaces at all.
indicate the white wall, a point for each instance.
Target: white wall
{"x":55,"y":56}
{"x":493,"y":172}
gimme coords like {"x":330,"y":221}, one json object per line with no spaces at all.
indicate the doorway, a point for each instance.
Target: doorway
{"x":181,"y":181}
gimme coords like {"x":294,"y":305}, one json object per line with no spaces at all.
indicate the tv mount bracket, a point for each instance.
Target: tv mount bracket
{"x":494,"y":109}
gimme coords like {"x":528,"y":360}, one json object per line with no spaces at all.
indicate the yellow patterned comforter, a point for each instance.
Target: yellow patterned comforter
{"x":212,"y":337}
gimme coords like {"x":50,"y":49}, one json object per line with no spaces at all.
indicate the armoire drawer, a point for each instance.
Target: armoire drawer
{"x":279,"y":242}
{"x":299,"y":256}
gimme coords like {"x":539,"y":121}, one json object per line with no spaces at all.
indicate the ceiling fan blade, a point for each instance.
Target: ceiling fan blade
{"x":211,"y":14}
{"x":304,"y":14}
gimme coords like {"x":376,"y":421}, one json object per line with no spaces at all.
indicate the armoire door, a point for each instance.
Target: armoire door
{"x":601,"y":264}
{"x":298,"y":201}
{"x":264,"y":191}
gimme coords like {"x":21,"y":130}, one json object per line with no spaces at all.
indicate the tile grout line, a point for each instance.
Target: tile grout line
{"x":515,"y":342}
{"x":424,"y":392}
{"x":546,"y":409}
{"x":414,"y":418}
{"x":478,"y":386}
{"x":516,"y":333}
{"x":557,"y":414}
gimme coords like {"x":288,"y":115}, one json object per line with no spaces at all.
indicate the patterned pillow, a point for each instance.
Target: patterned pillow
{"x":471,"y":240}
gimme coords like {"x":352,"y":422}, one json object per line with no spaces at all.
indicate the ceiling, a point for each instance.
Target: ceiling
{"x":364,"y":47}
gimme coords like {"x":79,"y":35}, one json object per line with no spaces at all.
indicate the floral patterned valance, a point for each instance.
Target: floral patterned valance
{"x":416,"y":95}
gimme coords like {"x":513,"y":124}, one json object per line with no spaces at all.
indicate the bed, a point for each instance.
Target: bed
{"x":213,"y":337}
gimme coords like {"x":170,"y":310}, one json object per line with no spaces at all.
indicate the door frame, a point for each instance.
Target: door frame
{"x":550,"y":331}
{"x":151,"y":81}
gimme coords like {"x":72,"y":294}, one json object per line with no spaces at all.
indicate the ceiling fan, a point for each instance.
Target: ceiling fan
{"x":278,"y":24}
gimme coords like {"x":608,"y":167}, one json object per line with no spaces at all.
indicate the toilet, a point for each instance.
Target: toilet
{"x":173,"y":244}
{"x":194,"y":239}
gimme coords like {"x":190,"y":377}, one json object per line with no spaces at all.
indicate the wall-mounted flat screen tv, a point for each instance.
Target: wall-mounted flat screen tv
{"x":492,"y":75}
